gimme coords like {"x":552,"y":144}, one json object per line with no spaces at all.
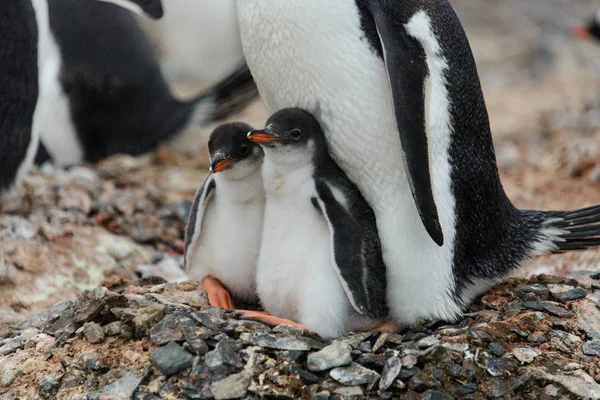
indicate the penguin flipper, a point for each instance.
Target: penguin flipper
{"x":348,"y":247}
{"x":194,"y":224}
{"x":407,"y":70}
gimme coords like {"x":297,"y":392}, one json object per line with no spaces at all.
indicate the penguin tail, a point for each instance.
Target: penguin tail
{"x":229,"y":96}
{"x":563,"y":231}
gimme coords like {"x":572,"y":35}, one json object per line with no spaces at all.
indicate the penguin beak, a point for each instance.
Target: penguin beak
{"x":263,"y":136}
{"x":220,"y":163}
{"x":581,"y":32}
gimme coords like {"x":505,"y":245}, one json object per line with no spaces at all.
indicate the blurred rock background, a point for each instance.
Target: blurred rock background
{"x":115,"y":223}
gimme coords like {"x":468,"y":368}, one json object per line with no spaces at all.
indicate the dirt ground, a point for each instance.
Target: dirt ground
{"x":112,"y":223}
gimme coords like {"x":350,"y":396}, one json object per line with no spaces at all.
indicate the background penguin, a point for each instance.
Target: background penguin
{"x":397,"y":86}
{"x":224,"y":228}
{"x":26,"y":58}
{"x":320,"y":260}
{"x":109,"y":95}
{"x":590,"y":29}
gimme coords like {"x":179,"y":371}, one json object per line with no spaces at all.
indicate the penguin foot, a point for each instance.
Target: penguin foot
{"x":268,"y":319}
{"x":218,"y":295}
{"x":389,"y":326}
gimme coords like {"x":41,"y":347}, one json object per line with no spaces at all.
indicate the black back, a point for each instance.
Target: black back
{"x":18,"y":85}
{"x":492,"y":236}
{"x":119,"y":99}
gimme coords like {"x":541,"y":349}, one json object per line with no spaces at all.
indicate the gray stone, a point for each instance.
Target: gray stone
{"x":592,"y":348}
{"x":223,"y":356}
{"x":456,"y":347}
{"x":116,"y":328}
{"x":532,"y":292}
{"x":354,"y":374}
{"x":171,"y":359}
{"x":409,"y":361}
{"x":325,"y":395}
{"x":288,"y":330}
{"x":356,"y":339}
{"x":335,"y":355}
{"x":197,"y":346}
{"x":143,"y":318}
{"x":534,"y":305}
{"x":51,"y":313}
{"x":554,"y":309}
{"x":566,"y":293}
{"x":526,"y":354}
{"x":496,"y":349}
{"x":239,"y":326}
{"x":501,"y":387}
{"x":11,"y":372}
{"x":232,"y":387}
{"x":427,"y":342}
{"x":122,"y":389}
{"x":589,"y":319}
{"x":498,"y":366}
{"x":281,"y":342}
{"x":468,"y":388}
{"x":209,"y":320}
{"x":534,"y":338}
{"x":551,"y":390}
{"x":577,"y":382}
{"x":90,"y":361}
{"x":436,"y":395}
{"x":93,"y":332}
{"x":391,"y":369}
{"x":349,"y":392}
{"x":48,"y":383}
{"x":167,"y":330}
{"x":12,"y":345}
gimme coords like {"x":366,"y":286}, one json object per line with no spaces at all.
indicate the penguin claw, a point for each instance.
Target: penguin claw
{"x":218,"y":295}
{"x":390,"y":327}
{"x":268,"y":319}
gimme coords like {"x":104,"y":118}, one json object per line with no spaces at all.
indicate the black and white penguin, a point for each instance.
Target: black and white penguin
{"x":25,"y":60}
{"x":591,"y":29}
{"x":225,"y":224}
{"x":108,"y":94}
{"x":320,"y":263}
{"x":398,"y":95}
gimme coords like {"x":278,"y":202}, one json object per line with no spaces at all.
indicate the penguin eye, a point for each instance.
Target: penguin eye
{"x":244,"y":150}
{"x":295,"y":134}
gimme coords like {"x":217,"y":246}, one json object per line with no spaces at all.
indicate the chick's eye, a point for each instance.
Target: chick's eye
{"x":244,"y":150}
{"x":295,"y":134}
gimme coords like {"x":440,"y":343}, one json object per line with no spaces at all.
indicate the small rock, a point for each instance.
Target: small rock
{"x":409,"y":361}
{"x":232,"y":387}
{"x":51,"y":313}
{"x":407,"y":373}
{"x":281,"y":342}
{"x":534,"y":338}
{"x":413,"y":336}
{"x":380,"y":341}
{"x":12,"y":345}
{"x":223,"y":356}
{"x":48,"y":383}
{"x":526,"y":354}
{"x":534,"y":305}
{"x":496,"y":349}
{"x":93,"y":332}
{"x":390,"y":373}
{"x":555,"y":309}
{"x":171,"y":359}
{"x":588,"y":319}
{"x":566,"y":293}
{"x":143,"y":318}
{"x":436,"y":395}
{"x":351,"y":392}
{"x":577,"y":382}
{"x":532,"y":292}
{"x":354,"y":374}
{"x":209,"y":320}
{"x":239,"y":326}
{"x":90,"y":361}
{"x":372,"y":361}
{"x":366,"y":347}
{"x":325,"y":395}
{"x":197,"y":346}
{"x":288,"y":330}
{"x":551,"y":390}
{"x":502,"y":388}
{"x":116,"y":328}
{"x":427,"y":342}
{"x":592,"y":348}
{"x":422,"y":382}
{"x":335,"y":355}
{"x":456,"y":347}
{"x":468,"y":388}
{"x":306,"y":377}
{"x":167,"y":330}
{"x":11,"y":372}
{"x":498,"y":366}
{"x":121,"y":389}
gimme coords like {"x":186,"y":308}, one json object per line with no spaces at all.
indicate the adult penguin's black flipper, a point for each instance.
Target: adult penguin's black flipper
{"x":407,"y":71}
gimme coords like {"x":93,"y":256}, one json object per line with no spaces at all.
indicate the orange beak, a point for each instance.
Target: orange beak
{"x":220,"y":165}
{"x":581,"y":32}
{"x":263,"y":136}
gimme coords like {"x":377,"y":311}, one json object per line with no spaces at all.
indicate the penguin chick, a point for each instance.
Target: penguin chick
{"x":320,"y":262}
{"x":225,"y":224}
{"x":590,"y":29}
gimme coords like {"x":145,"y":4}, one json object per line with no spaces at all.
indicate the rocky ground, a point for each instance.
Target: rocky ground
{"x":119,"y":224}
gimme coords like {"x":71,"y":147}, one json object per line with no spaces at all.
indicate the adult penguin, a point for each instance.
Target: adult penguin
{"x":395,"y":86}
{"x":25,"y":60}
{"x":109,"y":94}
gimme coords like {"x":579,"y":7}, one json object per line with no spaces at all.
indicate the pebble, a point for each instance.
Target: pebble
{"x":325,"y":395}
{"x":354,"y":374}
{"x":232,"y":387}
{"x":93,"y":332}
{"x":349,"y":392}
{"x":122,"y":389}
{"x":209,"y":320}
{"x":468,"y":388}
{"x":526,"y":355}
{"x":592,"y":347}
{"x":566,"y":293}
{"x":534,"y":338}
{"x":496,"y":349}
{"x":532,"y":292}
{"x":167,"y":330}
{"x":554,"y":309}
{"x":588,"y":319}
{"x":436,"y":395}
{"x":498,"y":366}
{"x":502,"y":388}
{"x":48,"y":383}
{"x":335,"y":355}
{"x":390,"y":372}
{"x":409,"y":361}
{"x":281,"y":342}
{"x":427,"y":342}
{"x":116,"y":328}
{"x":171,"y":359}
{"x":11,"y":372}
{"x":551,"y":390}
{"x":223,"y":356}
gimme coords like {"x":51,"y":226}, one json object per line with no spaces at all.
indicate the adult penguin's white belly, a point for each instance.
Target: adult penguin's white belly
{"x":312,"y":55}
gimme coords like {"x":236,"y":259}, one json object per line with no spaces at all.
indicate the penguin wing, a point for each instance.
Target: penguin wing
{"x":407,"y":70}
{"x":348,"y":247}
{"x":194,"y":224}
